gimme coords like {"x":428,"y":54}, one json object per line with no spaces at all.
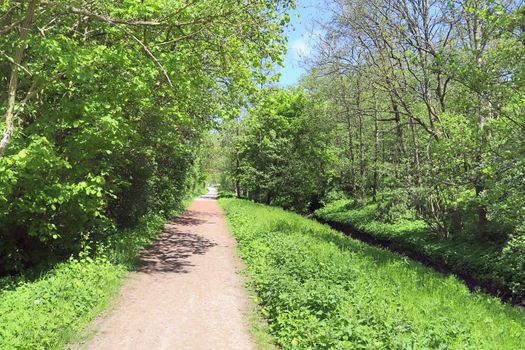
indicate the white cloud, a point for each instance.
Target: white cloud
{"x":303,"y":48}
{"x":300,"y":49}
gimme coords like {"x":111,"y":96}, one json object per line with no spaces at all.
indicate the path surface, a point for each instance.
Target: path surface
{"x":186,"y":294}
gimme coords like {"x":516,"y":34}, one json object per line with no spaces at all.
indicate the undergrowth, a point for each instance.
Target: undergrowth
{"x":321,"y":290}
{"x":48,"y":311}
{"x":484,"y":261}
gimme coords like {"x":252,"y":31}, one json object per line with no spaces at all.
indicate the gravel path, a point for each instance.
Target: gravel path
{"x":186,"y":294}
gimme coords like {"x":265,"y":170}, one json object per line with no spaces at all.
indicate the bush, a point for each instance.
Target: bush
{"x":333,"y":195}
{"x":48,"y":311}
{"x":397,"y":208}
{"x":69,"y":199}
{"x":225,"y":193}
{"x":34,"y":184}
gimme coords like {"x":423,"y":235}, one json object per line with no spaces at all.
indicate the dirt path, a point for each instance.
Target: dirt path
{"x":186,"y":294}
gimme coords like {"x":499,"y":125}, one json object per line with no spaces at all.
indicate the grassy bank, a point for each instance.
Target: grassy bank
{"x":321,"y":290}
{"x":49,"y":311}
{"x":482,"y":261}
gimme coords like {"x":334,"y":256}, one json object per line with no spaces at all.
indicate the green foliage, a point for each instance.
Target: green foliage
{"x":225,"y":193}
{"x":113,"y":105}
{"x":44,"y":314}
{"x":495,"y":266}
{"x":321,"y":290}
{"x":333,"y":195}
{"x":278,"y":153}
{"x":47,"y":311}
{"x":396,"y":208}
{"x":32,"y":186}
{"x":429,"y":118}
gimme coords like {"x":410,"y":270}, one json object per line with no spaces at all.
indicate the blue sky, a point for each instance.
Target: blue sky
{"x":300,"y":39}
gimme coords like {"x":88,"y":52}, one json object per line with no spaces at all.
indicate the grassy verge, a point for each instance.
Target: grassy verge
{"x":321,"y":290}
{"x":483,"y":262}
{"x":259,"y":328}
{"x":47,"y":312}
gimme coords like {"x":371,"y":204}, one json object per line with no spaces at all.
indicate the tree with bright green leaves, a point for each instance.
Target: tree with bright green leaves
{"x":442,"y":82}
{"x":414,"y":106}
{"x":278,"y":151}
{"x":105,"y":106}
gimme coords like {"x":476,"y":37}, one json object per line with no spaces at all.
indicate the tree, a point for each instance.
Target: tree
{"x":279,"y":153}
{"x":437,"y":73}
{"x":106,"y":108}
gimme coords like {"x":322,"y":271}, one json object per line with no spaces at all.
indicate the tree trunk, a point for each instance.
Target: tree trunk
{"x":482,"y":209}
{"x":237,"y":188}
{"x":484,"y":111}
{"x":376,"y":156}
{"x":402,"y":149}
{"x":383,"y":158}
{"x":362,"y":164}
{"x":352,"y":164}
{"x":457,"y":221}
{"x":237,"y":168}
{"x":13,"y":81}
{"x":351,"y":151}
{"x":417,"y":161}
{"x":416,"y":199}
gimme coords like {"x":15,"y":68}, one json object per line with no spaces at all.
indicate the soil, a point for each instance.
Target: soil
{"x":186,"y":293}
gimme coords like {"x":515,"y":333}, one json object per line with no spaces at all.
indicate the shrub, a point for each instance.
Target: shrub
{"x":47,"y":311}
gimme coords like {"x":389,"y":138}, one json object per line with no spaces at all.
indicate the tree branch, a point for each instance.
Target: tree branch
{"x":108,"y":19}
{"x":13,"y":81}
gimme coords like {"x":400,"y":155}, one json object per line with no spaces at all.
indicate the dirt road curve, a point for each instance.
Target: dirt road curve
{"x":187,"y":293}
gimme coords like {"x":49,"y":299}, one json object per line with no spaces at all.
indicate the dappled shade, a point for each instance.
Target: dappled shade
{"x":171,"y":252}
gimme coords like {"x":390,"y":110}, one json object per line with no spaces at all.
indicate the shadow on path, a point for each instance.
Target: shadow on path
{"x":172,"y":251}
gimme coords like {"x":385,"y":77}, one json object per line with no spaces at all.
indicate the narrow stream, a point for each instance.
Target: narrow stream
{"x":472,"y":283}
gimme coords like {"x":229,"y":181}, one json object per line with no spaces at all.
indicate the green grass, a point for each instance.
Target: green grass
{"x":259,"y":327}
{"x":52,"y":310}
{"x":46,"y":313}
{"x":481,"y":260}
{"x":321,"y":290}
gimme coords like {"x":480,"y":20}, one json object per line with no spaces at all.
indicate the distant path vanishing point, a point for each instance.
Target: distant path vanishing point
{"x":186,"y":293}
